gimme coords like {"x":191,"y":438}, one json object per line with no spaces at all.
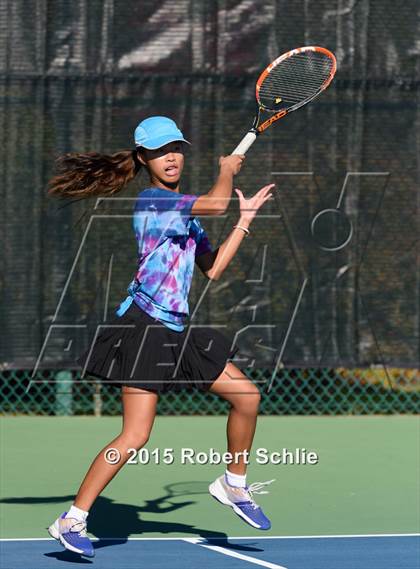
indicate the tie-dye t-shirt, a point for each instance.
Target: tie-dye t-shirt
{"x":169,"y":239}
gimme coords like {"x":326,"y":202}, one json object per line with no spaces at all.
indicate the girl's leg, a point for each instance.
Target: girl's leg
{"x":244,"y":397}
{"x":139,"y":410}
{"x":230,"y":489}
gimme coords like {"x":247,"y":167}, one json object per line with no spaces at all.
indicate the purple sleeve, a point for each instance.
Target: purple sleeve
{"x":203,"y":244}
{"x":173,"y":212}
{"x":185,"y":203}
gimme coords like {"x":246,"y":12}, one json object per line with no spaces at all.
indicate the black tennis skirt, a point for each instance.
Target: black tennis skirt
{"x":138,"y":350}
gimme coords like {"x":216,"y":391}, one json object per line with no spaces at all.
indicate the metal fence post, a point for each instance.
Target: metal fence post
{"x":63,"y":392}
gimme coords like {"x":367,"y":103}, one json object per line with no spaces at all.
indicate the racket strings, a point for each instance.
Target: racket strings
{"x":276,"y":87}
{"x":317,"y":62}
{"x":303,"y":74}
{"x":315,"y":57}
{"x":296,"y":79}
{"x":291,"y":87}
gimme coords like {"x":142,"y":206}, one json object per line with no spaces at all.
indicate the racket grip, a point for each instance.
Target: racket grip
{"x":245,"y":143}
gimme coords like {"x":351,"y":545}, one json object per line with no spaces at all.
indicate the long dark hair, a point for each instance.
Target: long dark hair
{"x":93,"y":174}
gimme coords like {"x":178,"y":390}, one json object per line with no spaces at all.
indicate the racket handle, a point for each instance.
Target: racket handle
{"x":245,"y":143}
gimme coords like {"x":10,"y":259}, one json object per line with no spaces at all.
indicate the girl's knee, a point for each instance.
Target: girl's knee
{"x":247,"y":402}
{"x":135,"y":439}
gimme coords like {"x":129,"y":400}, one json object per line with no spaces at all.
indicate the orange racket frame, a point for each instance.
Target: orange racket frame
{"x":257,"y":128}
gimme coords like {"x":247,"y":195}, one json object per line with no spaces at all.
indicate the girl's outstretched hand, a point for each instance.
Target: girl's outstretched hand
{"x":233,"y":163}
{"x":250,"y":207}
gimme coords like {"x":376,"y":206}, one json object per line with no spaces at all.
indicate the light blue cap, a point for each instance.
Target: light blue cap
{"x":155,"y":132}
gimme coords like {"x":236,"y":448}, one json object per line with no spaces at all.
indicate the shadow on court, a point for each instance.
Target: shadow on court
{"x":115,"y":523}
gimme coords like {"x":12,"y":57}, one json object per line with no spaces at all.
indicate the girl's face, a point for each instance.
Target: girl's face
{"x":165,"y":164}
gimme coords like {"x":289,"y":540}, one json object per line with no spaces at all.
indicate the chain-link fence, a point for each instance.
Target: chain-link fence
{"x":293,"y":391}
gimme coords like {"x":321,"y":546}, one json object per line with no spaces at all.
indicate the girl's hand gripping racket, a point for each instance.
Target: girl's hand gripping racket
{"x":288,"y":83}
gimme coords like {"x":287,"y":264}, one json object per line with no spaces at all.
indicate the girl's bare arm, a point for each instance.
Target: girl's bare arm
{"x":214,"y":263}
{"x":216,"y":201}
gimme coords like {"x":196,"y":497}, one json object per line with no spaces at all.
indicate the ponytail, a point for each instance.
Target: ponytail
{"x":93,"y":174}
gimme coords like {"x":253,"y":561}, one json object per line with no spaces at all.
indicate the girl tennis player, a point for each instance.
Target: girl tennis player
{"x":152,"y":318}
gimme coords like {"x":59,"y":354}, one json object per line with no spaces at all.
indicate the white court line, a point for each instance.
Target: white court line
{"x":235,"y":554}
{"x":224,"y":538}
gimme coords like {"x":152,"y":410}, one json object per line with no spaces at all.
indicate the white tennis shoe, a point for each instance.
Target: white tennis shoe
{"x":241,"y":501}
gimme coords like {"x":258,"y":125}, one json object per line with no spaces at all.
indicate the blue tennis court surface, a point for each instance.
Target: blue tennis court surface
{"x":322,"y":552}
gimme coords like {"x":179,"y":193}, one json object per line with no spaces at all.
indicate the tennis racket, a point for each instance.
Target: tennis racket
{"x":289,"y":82}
